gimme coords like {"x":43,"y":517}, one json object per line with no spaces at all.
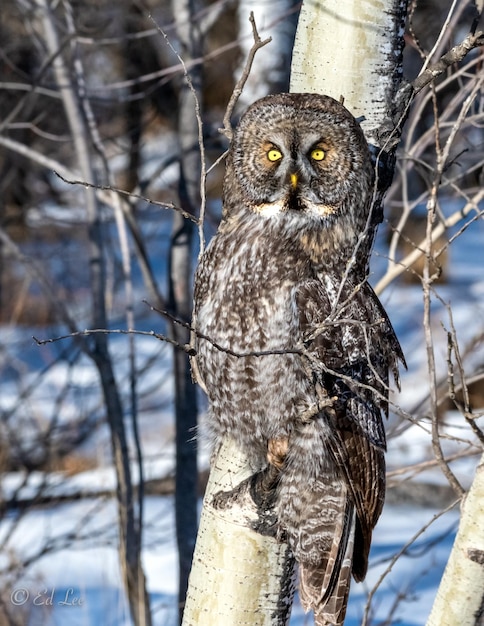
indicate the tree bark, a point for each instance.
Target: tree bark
{"x":180,"y":299}
{"x":460,"y":597}
{"x":240,"y":576}
{"x":361,"y":61}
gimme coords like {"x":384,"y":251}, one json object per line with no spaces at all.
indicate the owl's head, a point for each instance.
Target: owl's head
{"x":303,"y":158}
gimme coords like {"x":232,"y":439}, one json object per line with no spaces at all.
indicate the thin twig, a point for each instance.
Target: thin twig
{"x":122,"y":192}
{"x":258,"y":43}
{"x":421,"y":248}
{"x":396,"y":556}
{"x":301,"y":351}
{"x":440,"y":37}
{"x":466,"y":408}
{"x":201,"y":144}
{"x":416,"y":468}
{"x":427,"y":281}
{"x":115,"y":331}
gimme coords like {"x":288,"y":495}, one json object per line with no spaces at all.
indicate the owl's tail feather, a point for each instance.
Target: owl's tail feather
{"x":316,"y":510}
{"x":324,"y":587}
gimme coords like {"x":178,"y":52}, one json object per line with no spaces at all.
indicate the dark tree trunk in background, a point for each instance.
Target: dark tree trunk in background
{"x":181,"y":271}
{"x":129,"y":547}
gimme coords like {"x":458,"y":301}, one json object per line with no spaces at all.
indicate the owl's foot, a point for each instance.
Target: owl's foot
{"x":277,"y":451}
{"x":226,"y":499}
{"x":260,"y":487}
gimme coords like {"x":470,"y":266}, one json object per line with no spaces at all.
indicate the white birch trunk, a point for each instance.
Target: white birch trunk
{"x":460,"y":597}
{"x":351,"y":49}
{"x":238,"y":576}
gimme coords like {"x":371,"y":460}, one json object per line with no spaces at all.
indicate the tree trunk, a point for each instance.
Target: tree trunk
{"x":129,"y":531}
{"x":460,"y":597}
{"x":239,"y":576}
{"x":361,"y":61}
{"x":180,"y":301}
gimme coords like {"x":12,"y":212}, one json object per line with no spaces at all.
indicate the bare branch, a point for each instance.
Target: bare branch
{"x":117,"y":331}
{"x":456,"y":54}
{"x":436,"y":435}
{"x":122,"y":192}
{"x":416,"y":468}
{"x":201,"y":145}
{"x":465,"y":408}
{"x":422,"y":248}
{"x":258,"y":43}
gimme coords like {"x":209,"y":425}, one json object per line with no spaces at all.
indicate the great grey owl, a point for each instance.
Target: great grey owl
{"x":285,"y":276}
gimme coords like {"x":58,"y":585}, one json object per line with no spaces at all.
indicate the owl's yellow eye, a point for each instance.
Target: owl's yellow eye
{"x":317,"y":154}
{"x":274,"y":155}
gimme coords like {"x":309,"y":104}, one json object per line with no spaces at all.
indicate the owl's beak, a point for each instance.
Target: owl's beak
{"x":294,"y":181}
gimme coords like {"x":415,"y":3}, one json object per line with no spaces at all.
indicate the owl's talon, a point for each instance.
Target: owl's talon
{"x":317,"y":408}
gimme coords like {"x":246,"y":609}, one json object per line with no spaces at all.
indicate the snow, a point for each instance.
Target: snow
{"x":77,"y":581}
{"x":90,"y":572}
{"x":86,"y":567}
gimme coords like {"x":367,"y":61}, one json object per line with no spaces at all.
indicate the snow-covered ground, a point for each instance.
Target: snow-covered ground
{"x":76,"y":582}
{"x":80,"y":585}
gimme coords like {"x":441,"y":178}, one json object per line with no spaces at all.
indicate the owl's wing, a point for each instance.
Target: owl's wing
{"x":362,"y":464}
{"x":325,"y":583}
{"x":343,"y":518}
{"x":351,"y":348}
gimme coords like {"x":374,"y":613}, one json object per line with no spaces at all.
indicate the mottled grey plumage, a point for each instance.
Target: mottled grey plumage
{"x":283,"y":274}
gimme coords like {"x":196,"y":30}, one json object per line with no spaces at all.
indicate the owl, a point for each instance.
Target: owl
{"x":293,"y":347}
